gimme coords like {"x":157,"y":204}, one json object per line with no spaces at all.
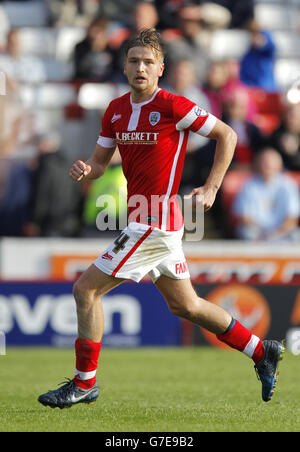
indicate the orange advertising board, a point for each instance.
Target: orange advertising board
{"x":245,"y":303}
{"x":68,"y":266}
{"x":254,"y":269}
{"x":205,"y":269}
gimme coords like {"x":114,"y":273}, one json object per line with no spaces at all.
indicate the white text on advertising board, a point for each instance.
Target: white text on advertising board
{"x":60,"y":313}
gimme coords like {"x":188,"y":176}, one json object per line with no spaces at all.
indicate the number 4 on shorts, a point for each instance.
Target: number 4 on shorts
{"x":120,"y":242}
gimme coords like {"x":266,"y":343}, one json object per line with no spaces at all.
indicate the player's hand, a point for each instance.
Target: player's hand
{"x":79,"y":169}
{"x":205,"y":195}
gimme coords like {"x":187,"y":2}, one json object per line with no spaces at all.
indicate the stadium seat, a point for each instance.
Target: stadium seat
{"x":73,"y":111}
{"x":268,"y":109}
{"x":45,"y":120}
{"x":229,"y":44}
{"x":266,"y":102}
{"x":29,"y":70}
{"x":57,"y":71}
{"x":96,"y":96}
{"x":4,"y":25}
{"x":296,"y":176}
{"x":38,"y":41}
{"x":287,"y":44}
{"x":277,"y":17}
{"x":48,"y":95}
{"x":232,"y":184}
{"x":267,"y":122}
{"x":50,"y":42}
{"x":287,"y":71}
{"x":36,"y":69}
{"x":26,"y":14}
{"x":67,"y":38}
{"x":48,"y":103}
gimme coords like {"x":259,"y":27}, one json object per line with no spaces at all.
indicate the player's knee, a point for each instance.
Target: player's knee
{"x":181,"y":309}
{"x":81,"y":293}
{"x":77,"y":291}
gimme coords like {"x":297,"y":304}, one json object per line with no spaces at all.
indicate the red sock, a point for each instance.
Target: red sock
{"x":87,"y":354}
{"x":240,"y":338}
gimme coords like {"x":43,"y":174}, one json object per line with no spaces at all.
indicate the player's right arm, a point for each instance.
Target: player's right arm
{"x":95,"y":166}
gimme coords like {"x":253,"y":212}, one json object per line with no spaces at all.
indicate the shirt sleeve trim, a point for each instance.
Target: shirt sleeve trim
{"x":207,"y":126}
{"x":106,"y":142}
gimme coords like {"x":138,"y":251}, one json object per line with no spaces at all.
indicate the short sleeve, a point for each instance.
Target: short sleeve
{"x":189,"y":116}
{"x":107,"y":135}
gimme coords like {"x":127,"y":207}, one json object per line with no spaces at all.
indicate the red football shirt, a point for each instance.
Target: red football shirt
{"x":152,"y":138}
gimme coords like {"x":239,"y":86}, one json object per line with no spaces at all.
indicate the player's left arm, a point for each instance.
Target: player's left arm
{"x":226,"y":140}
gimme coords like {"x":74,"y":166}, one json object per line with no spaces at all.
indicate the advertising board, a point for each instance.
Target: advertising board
{"x":44,"y":313}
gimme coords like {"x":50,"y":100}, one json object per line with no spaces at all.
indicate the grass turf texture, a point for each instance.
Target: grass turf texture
{"x":198,"y":389}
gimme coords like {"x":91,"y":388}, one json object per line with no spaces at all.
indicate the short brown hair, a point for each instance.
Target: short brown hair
{"x":147,"y":37}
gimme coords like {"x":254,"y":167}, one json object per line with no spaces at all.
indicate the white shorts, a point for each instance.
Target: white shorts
{"x":140,"y":250}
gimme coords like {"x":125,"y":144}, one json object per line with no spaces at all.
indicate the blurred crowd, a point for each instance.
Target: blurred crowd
{"x":37,"y":197}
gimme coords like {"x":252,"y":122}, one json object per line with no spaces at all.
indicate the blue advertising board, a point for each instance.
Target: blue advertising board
{"x":44,"y":313}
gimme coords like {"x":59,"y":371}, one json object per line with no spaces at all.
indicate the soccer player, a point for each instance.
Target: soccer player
{"x":150,"y":126}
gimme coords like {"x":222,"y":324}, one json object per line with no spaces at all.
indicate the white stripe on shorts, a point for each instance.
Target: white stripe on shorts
{"x":85,"y":375}
{"x":251,"y":346}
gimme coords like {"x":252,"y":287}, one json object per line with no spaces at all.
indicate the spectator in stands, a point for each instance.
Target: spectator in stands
{"x":144,"y":15}
{"x":250,"y":137}
{"x":286,"y":138}
{"x":242,"y":11}
{"x":167,"y":12}
{"x":118,"y":10}
{"x":216,"y":80}
{"x":93,"y":57}
{"x":19,"y":67}
{"x":113,"y":185}
{"x":14,"y":116}
{"x":182,"y":80}
{"x":193,"y":39}
{"x":57,"y":201}
{"x":72,"y":12}
{"x":268,"y":205}
{"x":11,"y":117}
{"x":222,"y":80}
{"x":15,"y":196}
{"x":257,"y":65}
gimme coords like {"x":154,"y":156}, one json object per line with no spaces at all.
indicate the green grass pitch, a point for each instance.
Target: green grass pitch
{"x":189,"y":389}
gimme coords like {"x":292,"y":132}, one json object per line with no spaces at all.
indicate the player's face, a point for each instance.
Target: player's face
{"x":143,"y":69}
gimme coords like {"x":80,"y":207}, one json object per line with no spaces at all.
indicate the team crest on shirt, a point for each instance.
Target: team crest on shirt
{"x":154,"y":118}
{"x":200,"y":112}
